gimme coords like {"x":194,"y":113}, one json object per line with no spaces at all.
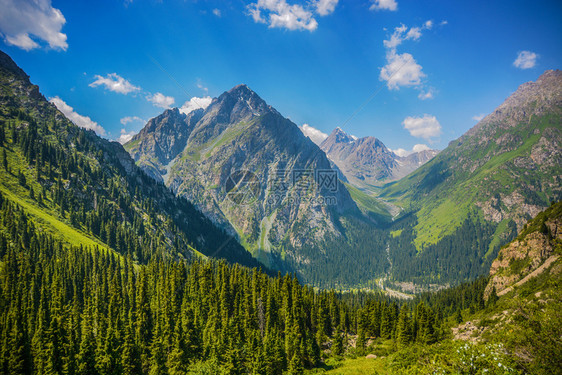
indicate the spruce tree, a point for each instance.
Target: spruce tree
{"x":403,"y":327}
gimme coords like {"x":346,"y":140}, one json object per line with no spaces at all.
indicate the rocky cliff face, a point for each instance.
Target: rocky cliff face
{"x":532,"y":253}
{"x":367,"y":161}
{"x":250,"y":169}
{"x":520,"y":145}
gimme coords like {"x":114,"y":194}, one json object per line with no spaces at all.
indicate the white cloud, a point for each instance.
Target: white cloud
{"x":217,"y":12}
{"x":114,"y":82}
{"x":401,"y":69}
{"x":417,"y":148}
{"x":125,"y":136}
{"x":325,"y":7}
{"x":479,"y":117}
{"x":128,"y":119}
{"x":401,"y":34}
{"x":195,"y":103}
{"x":401,"y":152}
{"x":21,"y":19}
{"x":526,"y":60}
{"x":79,"y":120}
{"x":22,"y":41}
{"x":314,"y":134}
{"x":414,"y":33}
{"x":278,"y":13}
{"x":420,"y":147}
{"x":201,"y":86}
{"x":426,"y":94}
{"x":161,"y":100}
{"x":391,"y":5}
{"x":422,"y":127}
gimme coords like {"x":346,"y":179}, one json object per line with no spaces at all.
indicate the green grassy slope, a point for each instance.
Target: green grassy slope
{"x":87,"y":191}
{"x":500,"y":174}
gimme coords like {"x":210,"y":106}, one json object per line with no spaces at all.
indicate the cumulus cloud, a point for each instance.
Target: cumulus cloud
{"x":114,"y":82}
{"x":280,"y":14}
{"x":325,"y":7}
{"x":479,"y":117}
{"x":195,"y":103}
{"x":402,"y":69}
{"x":391,"y":5}
{"x":420,"y":147}
{"x":79,"y":120}
{"x":526,"y":60}
{"x":217,"y":12}
{"x":403,"y":153}
{"x":403,"y":33}
{"x":125,"y":136}
{"x":425,"y":127}
{"x":314,"y":134}
{"x":417,"y":148}
{"x":128,"y":119}
{"x":20,"y":20}
{"x":161,"y":100}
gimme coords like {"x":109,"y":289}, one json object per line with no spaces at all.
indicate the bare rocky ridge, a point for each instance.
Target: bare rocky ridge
{"x":367,"y":161}
{"x":524,"y":258}
{"x":196,"y":154}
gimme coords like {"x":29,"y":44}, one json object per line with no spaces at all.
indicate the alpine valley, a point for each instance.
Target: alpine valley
{"x":223,"y":240}
{"x":440,"y":225}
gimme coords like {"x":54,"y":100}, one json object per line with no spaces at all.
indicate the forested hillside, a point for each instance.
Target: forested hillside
{"x":299,"y":219}
{"x":460,"y":207}
{"x":86,"y":190}
{"x":83,"y":310}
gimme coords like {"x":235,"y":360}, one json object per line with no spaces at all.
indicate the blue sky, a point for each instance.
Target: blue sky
{"x":429,"y":68}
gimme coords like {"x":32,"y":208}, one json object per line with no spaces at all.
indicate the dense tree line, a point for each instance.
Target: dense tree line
{"x":353,"y":259}
{"x":459,"y":257}
{"x":93,"y":185}
{"x":143,"y":304}
{"x":77,"y":310}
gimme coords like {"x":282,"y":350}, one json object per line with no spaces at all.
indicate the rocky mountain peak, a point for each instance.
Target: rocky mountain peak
{"x":336,"y":140}
{"x":8,"y":64}
{"x":530,"y":99}
{"x":239,"y":104}
{"x":367,"y":161}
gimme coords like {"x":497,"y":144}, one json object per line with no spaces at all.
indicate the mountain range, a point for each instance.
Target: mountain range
{"x":88,"y":191}
{"x":238,"y":180}
{"x":367,"y":162}
{"x":452,"y":209}
{"x":483,"y":187}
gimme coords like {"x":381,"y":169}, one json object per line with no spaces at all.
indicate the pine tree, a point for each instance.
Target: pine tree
{"x":337,"y":345}
{"x":361,"y":339}
{"x":403,"y":327}
{"x":458,"y":316}
{"x":130,"y":360}
{"x":4,"y":159}
{"x":386,"y":322}
{"x":21,"y":179}
{"x":493,"y":298}
{"x":87,"y":352}
{"x":178,"y":359}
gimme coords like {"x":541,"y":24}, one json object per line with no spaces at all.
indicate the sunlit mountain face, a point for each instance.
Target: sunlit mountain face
{"x":280,"y":187}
